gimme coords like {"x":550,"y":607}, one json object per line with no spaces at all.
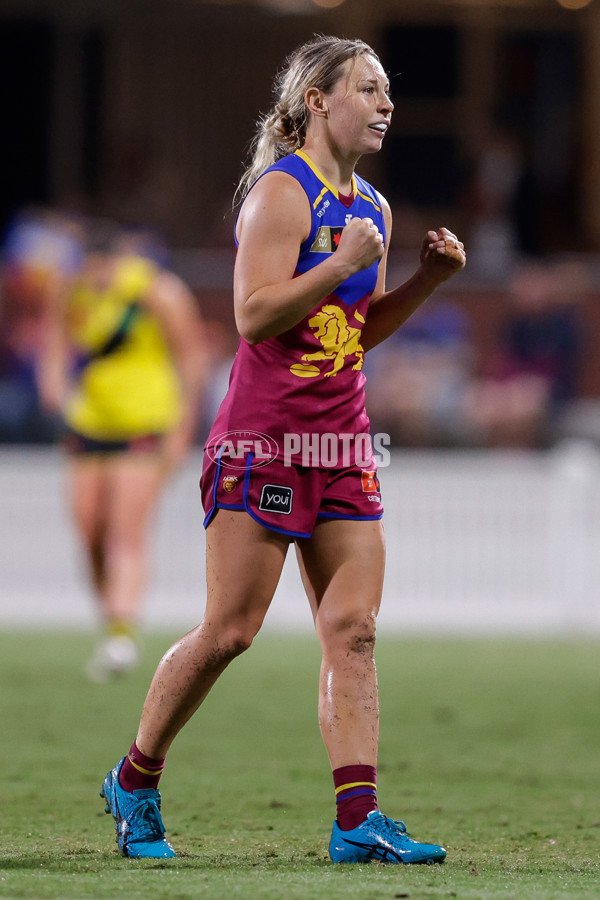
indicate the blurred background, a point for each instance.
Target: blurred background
{"x":140,"y":112}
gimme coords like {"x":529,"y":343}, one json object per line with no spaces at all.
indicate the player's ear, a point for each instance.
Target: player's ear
{"x":316,"y":102}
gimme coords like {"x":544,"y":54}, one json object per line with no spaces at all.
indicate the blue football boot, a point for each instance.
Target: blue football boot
{"x":381,"y":839}
{"x":138,"y":823}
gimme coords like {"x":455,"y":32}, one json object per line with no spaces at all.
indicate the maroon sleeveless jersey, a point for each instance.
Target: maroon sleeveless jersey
{"x":307,"y":382}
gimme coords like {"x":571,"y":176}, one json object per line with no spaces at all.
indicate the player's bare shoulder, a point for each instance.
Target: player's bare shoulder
{"x":276,"y":201}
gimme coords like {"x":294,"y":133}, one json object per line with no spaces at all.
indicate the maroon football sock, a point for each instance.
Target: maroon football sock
{"x":355,"y":794}
{"x":140,"y":772}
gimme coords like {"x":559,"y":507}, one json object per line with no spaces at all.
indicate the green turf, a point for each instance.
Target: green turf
{"x":489,"y":747}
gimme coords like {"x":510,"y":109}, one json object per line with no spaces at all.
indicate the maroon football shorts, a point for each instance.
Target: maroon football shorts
{"x":290,"y":498}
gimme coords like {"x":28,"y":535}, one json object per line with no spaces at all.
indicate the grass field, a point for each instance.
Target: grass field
{"x":489,"y":747}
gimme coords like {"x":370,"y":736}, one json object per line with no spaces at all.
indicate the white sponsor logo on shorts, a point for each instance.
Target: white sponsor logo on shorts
{"x":276,"y":498}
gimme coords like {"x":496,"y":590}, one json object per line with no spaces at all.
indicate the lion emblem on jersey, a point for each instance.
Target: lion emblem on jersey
{"x":338,"y":340}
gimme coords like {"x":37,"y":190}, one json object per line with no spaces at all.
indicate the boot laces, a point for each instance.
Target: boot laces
{"x":390,"y":827}
{"x":146,"y":823}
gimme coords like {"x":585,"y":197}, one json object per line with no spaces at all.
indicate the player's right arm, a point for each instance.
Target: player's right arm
{"x":274,"y":221}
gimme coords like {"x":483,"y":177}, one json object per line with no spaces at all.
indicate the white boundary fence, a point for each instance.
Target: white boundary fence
{"x":478,"y":542}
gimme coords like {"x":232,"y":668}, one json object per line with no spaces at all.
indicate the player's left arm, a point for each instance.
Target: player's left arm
{"x":441,"y":256}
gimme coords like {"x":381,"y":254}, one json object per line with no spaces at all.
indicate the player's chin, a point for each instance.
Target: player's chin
{"x":369,"y":151}
{"x":373,"y":143}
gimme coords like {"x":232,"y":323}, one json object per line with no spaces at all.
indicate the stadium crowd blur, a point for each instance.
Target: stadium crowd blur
{"x":505,"y":360}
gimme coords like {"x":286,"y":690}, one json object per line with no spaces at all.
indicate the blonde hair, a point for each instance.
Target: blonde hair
{"x":317,"y":63}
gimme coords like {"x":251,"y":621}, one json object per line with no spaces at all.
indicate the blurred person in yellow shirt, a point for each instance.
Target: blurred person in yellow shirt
{"x":124,"y":365}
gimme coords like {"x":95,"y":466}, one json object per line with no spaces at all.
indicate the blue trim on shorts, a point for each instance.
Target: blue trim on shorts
{"x":325,"y":515}
{"x":215,"y":485}
{"x":299,"y":534}
{"x":247,"y":478}
{"x":215,"y":506}
{"x":208,"y":515}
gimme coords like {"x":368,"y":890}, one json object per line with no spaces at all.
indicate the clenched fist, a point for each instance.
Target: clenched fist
{"x":442,"y":253}
{"x":361,"y":242}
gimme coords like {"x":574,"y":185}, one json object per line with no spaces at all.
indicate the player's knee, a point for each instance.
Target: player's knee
{"x":214,"y":657}
{"x":355,"y":632}
{"x":362,"y":635}
{"x":237,"y":638}
{"x":238,"y":644}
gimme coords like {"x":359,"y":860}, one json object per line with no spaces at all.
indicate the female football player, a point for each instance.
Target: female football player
{"x":310,"y":299}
